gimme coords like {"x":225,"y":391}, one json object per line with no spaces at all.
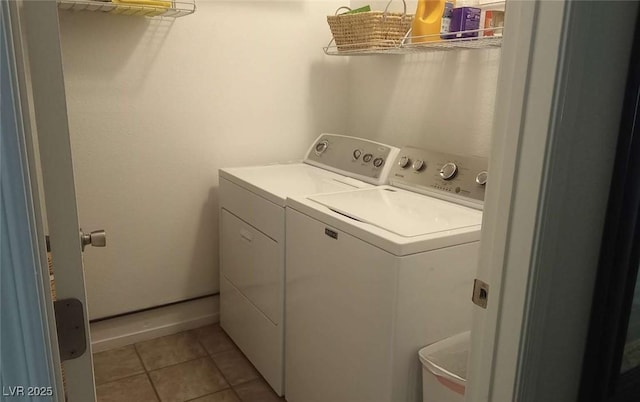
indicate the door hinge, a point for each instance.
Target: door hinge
{"x":480,"y":293}
{"x":72,"y":339}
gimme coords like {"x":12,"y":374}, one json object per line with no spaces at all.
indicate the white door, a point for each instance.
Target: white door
{"x":39,"y":66}
{"x":28,"y":348}
{"x":511,"y":101}
{"x":558,"y":109}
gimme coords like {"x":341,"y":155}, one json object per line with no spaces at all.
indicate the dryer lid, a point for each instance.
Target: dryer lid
{"x":279,"y":181}
{"x":401,"y":212}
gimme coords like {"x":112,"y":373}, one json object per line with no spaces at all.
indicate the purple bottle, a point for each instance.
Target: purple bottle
{"x":464,"y":19}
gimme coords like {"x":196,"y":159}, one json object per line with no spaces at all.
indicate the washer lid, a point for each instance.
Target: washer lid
{"x":401,"y":212}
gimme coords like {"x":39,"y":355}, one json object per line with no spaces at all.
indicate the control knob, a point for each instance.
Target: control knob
{"x":404,"y":162}
{"x":449,"y":171}
{"x":481,"y":178}
{"x":418,"y":165}
{"x":321,"y":147}
{"x":377,"y":162}
{"x":356,"y":154}
{"x":367,"y":158}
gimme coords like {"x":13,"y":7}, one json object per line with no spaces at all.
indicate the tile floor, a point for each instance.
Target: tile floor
{"x":201,"y":365}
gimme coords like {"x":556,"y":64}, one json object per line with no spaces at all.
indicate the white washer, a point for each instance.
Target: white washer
{"x":252,"y":237}
{"x":373,"y":275}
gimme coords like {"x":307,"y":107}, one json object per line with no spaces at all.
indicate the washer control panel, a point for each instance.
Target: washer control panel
{"x":355,"y":157}
{"x":449,"y":176}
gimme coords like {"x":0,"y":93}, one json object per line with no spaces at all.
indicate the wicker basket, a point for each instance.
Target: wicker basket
{"x":369,"y":30}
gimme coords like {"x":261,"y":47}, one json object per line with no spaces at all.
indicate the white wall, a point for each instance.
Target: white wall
{"x":156,"y":108}
{"x":441,"y":100}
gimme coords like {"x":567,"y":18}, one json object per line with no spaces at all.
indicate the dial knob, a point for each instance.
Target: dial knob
{"x":377,"y":162}
{"x":418,"y":165}
{"x":449,"y":171}
{"x":367,"y":158}
{"x":321,"y":147}
{"x":404,"y":162}
{"x":356,"y":154}
{"x":481,"y":178}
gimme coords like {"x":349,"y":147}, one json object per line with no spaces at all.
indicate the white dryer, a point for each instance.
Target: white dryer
{"x":252,"y":237}
{"x":375,"y":274}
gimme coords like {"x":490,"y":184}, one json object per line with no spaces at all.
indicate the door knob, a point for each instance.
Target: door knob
{"x":97,"y":238}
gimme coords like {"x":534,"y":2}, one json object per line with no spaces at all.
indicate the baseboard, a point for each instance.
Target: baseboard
{"x":137,"y":327}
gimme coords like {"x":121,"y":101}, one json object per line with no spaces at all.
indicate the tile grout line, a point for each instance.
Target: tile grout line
{"x":176,"y":364}
{"x":231,"y":387}
{"x":146,"y":372}
{"x":259,"y":378}
{"x":120,"y":379}
{"x":210,"y":357}
{"x":194,"y":332}
{"x":236,"y":394}
{"x":216,"y":366}
{"x":144,"y":366}
{"x":213,"y":393}
{"x":206,"y":354}
{"x":221,"y":373}
{"x":172,"y":364}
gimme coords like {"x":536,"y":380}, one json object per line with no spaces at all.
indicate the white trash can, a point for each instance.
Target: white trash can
{"x":444,"y":369}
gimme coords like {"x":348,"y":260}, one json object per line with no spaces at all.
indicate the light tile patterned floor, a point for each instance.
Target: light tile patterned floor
{"x":202,"y":365}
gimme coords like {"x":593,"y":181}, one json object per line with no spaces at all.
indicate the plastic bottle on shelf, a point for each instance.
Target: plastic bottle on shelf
{"x":427,"y":22}
{"x":446,"y":19}
{"x":465,"y":17}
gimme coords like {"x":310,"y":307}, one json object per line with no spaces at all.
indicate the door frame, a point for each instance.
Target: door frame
{"x":32,"y":205}
{"x":553,"y":150}
{"x":44,"y":93}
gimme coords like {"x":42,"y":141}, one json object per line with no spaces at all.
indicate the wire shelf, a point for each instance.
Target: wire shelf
{"x":475,"y":39}
{"x":484,"y":39}
{"x":174,"y":9}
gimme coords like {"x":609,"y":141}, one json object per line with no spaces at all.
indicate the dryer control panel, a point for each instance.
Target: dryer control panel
{"x":355,"y":157}
{"x":456,"y":178}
